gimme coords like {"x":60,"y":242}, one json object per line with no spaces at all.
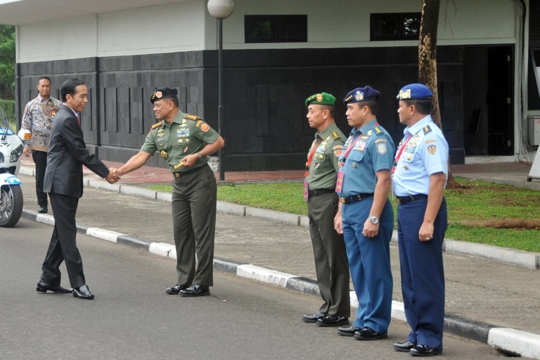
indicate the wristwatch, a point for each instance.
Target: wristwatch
{"x":374,"y":220}
{"x":199,"y":155}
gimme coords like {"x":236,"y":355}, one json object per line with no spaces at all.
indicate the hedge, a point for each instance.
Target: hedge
{"x":9,"y":108}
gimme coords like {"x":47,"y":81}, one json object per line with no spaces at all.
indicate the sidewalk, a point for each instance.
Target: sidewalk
{"x":485,"y":301}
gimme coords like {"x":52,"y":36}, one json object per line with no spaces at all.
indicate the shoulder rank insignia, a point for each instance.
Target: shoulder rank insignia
{"x":336,"y":135}
{"x":427,"y":129}
{"x":377,"y":130}
{"x":156,"y":125}
{"x":192,"y":117}
{"x":199,"y":123}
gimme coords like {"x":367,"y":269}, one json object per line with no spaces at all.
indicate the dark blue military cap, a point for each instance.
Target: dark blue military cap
{"x":361,"y":94}
{"x":163,"y":93}
{"x":415,"y":92}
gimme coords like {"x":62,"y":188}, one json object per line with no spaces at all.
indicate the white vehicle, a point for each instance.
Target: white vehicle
{"x":11,"y":149}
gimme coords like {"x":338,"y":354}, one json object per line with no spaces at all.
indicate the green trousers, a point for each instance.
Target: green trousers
{"x":194,"y":222}
{"x":331,"y":263}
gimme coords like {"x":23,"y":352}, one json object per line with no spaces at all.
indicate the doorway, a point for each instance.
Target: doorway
{"x":488,"y":100}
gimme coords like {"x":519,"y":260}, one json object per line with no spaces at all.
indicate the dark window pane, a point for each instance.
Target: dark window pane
{"x":291,"y":29}
{"x":411,"y":25}
{"x":275,"y":28}
{"x":384,"y":26}
{"x":395,"y":26}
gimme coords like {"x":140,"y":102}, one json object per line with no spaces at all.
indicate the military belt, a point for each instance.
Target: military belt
{"x":187,"y":172}
{"x":354,"y":198}
{"x":318,"y":192}
{"x":408,"y":199}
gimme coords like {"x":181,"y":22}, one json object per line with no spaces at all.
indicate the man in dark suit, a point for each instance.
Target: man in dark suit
{"x":64,"y":183}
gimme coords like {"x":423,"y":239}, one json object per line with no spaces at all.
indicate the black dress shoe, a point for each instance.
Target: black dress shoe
{"x":83,"y":292}
{"x":423,"y":350}
{"x":42,"y":210}
{"x":347,"y":330}
{"x":174,"y":290}
{"x":195,"y":290}
{"x":312,"y":318}
{"x":369,"y":334}
{"x":42,"y":287}
{"x":403,"y":346}
{"x":332,"y":320}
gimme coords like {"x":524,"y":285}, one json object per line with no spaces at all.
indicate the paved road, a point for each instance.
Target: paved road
{"x":476,"y":289}
{"x":132,"y":318}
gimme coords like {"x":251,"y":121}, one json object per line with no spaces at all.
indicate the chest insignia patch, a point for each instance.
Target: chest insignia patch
{"x":183,"y":132}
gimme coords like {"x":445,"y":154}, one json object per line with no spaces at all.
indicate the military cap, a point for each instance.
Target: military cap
{"x":414,"y":92}
{"x":321,"y":99}
{"x":361,"y":94}
{"x":163,"y":93}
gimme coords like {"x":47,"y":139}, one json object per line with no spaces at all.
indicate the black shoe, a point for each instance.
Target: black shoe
{"x":42,"y":287}
{"x":423,"y":350}
{"x":174,"y":290}
{"x":332,"y":320}
{"x":369,"y":334}
{"x":196,"y":290}
{"x":403,"y":346}
{"x":312,"y":318}
{"x":83,"y":292}
{"x":42,"y":210}
{"x":347,"y":330}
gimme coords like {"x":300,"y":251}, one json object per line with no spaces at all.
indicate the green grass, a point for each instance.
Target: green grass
{"x":471,"y":200}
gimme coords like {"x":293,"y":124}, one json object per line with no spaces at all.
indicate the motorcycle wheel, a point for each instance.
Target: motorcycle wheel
{"x":11,"y":205}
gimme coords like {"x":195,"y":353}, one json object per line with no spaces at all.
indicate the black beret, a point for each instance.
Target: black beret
{"x":163,"y":93}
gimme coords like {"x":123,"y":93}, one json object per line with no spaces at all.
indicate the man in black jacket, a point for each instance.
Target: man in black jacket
{"x":64,"y":183}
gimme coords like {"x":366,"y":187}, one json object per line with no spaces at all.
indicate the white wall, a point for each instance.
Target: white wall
{"x":346,"y":23}
{"x":72,"y":38}
{"x":187,"y":26}
{"x":156,"y":29}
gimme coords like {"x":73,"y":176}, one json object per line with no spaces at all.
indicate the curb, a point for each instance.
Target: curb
{"x":507,"y":339}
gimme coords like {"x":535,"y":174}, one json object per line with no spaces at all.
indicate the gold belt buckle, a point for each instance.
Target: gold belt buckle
{"x":343,"y":200}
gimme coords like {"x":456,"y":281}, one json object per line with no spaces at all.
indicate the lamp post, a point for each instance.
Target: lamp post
{"x":220,"y":9}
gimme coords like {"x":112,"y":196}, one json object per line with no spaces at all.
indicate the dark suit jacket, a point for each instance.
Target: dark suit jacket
{"x":67,"y":155}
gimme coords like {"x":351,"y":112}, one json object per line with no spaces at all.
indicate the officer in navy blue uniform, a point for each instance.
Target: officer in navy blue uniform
{"x":419,"y":180}
{"x":365,"y":215}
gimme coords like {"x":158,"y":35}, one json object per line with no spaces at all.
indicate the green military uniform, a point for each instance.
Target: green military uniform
{"x":328,"y":246}
{"x":194,"y":194}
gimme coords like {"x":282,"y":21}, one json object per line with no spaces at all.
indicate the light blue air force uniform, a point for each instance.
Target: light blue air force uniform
{"x":369,"y":258}
{"x":422,"y":272}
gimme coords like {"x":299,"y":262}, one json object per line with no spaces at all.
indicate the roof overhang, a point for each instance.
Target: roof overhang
{"x":21,"y":12}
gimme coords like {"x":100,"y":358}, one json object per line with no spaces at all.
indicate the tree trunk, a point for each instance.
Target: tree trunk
{"x":427,"y":53}
{"x":427,"y":63}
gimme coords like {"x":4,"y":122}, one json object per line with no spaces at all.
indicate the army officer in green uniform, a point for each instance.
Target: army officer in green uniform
{"x":185,"y":141}
{"x":322,"y":201}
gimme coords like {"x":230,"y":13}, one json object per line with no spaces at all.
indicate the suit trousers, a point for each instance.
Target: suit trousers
{"x":40,"y":159}
{"x":422,"y":273}
{"x":194,"y":223}
{"x":330,"y":255}
{"x":369,"y":261}
{"x":63,"y":245}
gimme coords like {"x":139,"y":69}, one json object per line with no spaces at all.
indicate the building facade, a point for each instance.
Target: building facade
{"x":275,"y":55}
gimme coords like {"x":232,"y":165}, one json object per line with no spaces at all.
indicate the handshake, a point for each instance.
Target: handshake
{"x":113,"y":176}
